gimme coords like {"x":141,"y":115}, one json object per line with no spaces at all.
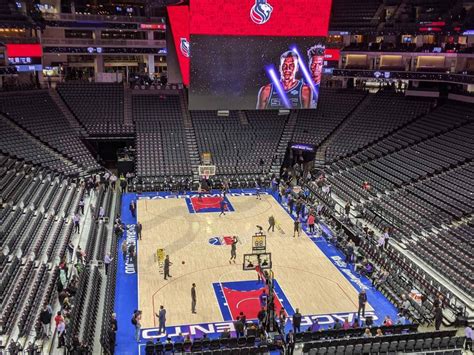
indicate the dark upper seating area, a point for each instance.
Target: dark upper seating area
{"x":160,"y":136}
{"x":334,"y":105}
{"x":11,"y":17}
{"x":36,"y":112}
{"x":351,"y":16}
{"x":376,"y":117}
{"x":98,"y":106}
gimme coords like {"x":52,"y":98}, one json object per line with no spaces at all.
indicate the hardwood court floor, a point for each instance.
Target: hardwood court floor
{"x":308,"y":279}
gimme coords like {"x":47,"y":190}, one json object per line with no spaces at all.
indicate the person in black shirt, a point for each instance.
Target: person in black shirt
{"x":362,"y":303}
{"x":290,"y":342}
{"x":297,"y":321}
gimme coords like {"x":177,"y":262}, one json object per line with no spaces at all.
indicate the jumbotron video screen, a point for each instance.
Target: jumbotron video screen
{"x":256,"y":54}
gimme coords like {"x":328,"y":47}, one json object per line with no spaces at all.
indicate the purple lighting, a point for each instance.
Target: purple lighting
{"x":302,"y":65}
{"x":278,"y":86}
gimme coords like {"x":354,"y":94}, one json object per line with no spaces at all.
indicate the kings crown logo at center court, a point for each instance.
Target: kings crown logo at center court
{"x":261,"y":12}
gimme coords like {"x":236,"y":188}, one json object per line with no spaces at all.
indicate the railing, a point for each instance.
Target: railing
{"x":103,"y":42}
{"x":109,"y":18}
{"x":423,"y":76}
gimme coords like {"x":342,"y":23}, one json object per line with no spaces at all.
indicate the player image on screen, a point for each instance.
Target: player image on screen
{"x":287,"y":92}
{"x":316,"y":62}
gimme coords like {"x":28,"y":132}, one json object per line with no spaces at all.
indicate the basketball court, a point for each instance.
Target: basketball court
{"x":193,"y":242}
{"x":309,"y":274}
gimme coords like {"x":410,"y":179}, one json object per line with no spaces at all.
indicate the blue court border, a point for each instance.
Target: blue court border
{"x":126,"y":291}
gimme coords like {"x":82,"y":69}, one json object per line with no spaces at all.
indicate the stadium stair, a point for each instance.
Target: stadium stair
{"x":75,"y":124}
{"x":283,"y":143}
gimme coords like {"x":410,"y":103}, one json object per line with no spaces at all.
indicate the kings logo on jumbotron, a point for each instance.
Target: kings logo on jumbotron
{"x":261,"y":12}
{"x":184,"y":47}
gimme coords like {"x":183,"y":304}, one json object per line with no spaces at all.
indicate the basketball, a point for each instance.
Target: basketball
{"x":182,"y":262}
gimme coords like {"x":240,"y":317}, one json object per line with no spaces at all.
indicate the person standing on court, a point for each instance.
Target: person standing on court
{"x":223,"y":205}
{"x":133,"y":208}
{"x":138,"y":230}
{"x":311,"y":220}
{"x":161,"y":320}
{"x":166,"y":267}
{"x":296,"y":229}
{"x":362,"y":303}
{"x":193,"y":298}
{"x":233,"y":250}
{"x":124,"y":249}
{"x":297,"y":321}
{"x":271,"y":223}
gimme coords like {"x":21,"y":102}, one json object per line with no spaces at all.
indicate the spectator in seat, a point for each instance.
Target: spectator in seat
{"x":355,"y":324}
{"x":387,"y":321}
{"x":315,"y":327}
{"x":252,"y":330}
{"x":346,"y":325}
{"x":224,"y":335}
{"x":379,"y":333}
{"x":337,"y":324}
{"x":367,"y":333}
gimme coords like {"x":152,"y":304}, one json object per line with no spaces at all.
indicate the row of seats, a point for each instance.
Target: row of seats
{"x":239,"y":145}
{"x":377,"y":116}
{"x":98,"y":106}
{"x":19,"y":144}
{"x":334,"y":105}
{"x":160,"y":136}
{"x":36,"y":227}
{"x":36,"y":112}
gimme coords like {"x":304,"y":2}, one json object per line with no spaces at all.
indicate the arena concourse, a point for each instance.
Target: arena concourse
{"x":235,"y":177}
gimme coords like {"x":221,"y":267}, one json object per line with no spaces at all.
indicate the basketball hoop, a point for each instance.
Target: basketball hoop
{"x":205,"y":171}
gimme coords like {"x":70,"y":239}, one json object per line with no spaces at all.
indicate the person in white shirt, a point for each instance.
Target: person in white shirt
{"x":101,"y":212}
{"x":76,"y":219}
{"x":469,"y":337}
{"x":107,"y":261}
